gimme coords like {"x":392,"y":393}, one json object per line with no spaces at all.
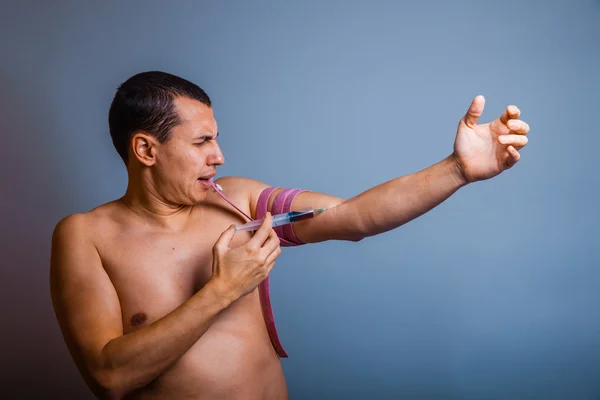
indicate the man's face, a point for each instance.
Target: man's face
{"x":191,"y":153}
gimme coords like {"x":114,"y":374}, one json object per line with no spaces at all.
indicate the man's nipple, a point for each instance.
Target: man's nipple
{"x":138,"y":319}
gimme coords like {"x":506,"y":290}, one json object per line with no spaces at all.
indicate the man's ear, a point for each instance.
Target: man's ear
{"x":144,"y":147}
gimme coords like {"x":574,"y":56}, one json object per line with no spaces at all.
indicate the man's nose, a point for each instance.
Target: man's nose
{"x":216,"y":158}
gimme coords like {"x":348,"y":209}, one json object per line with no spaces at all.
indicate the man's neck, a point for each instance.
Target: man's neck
{"x":154,"y":210}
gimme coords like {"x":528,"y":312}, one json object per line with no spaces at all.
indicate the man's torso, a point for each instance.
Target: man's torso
{"x":155,"y":271}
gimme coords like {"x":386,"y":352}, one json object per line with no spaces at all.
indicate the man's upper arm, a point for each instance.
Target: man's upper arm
{"x":84,"y":299}
{"x":337,"y":223}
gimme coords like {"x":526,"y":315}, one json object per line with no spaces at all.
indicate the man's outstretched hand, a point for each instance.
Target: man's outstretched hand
{"x":484,"y":151}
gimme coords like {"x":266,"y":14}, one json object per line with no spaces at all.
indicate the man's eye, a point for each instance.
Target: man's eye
{"x":199,"y":144}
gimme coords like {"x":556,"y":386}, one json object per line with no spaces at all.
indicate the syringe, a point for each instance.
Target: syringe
{"x":281,"y":219}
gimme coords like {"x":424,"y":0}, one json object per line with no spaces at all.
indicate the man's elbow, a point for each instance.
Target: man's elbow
{"x":107,"y":385}
{"x":358,"y":229}
{"x":109,"y":382}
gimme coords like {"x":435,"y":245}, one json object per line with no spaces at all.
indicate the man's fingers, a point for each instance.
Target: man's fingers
{"x":270,"y":267}
{"x":513,"y":156}
{"x":475,"y":110}
{"x":518,"y":141}
{"x":273,"y":256}
{"x":225,"y":238}
{"x":271,"y":244}
{"x":511,"y":112}
{"x":261,"y":234}
{"x":518,"y":126}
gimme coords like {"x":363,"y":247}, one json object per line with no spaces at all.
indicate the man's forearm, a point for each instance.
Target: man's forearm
{"x":133,"y":360}
{"x":396,"y":202}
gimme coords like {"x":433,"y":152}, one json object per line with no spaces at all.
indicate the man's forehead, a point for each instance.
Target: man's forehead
{"x":192,"y":112}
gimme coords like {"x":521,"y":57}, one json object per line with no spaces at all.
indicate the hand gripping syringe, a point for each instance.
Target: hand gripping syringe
{"x":282,"y":219}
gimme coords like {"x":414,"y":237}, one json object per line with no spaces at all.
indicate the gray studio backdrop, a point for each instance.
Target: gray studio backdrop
{"x":494,"y":294}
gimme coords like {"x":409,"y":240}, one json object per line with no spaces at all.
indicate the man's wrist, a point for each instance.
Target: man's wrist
{"x":457,"y":171}
{"x":221,"y":292}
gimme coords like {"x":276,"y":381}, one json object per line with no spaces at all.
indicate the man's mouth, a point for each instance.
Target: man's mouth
{"x":206,"y":178}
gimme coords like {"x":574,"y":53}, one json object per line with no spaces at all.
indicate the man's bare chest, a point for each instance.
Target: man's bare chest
{"x":153,"y":273}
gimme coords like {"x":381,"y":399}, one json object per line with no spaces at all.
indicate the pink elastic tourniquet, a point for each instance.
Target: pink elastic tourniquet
{"x":287,"y":237}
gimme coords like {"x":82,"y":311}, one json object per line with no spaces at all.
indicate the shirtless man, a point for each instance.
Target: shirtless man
{"x":157,"y":295}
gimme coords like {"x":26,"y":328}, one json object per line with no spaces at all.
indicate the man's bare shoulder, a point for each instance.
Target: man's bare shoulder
{"x":82,"y":232}
{"x":72,"y":247}
{"x":85,"y":223}
{"x":72,"y":226}
{"x":74,"y":257}
{"x":242,"y":189}
{"x":241,"y":185}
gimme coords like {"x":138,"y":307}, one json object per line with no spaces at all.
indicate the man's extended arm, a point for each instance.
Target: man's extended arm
{"x":480,"y":152}
{"x":378,"y":209}
{"x":385,"y":206}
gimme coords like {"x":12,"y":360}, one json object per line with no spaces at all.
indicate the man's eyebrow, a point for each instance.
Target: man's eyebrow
{"x":204,"y":137}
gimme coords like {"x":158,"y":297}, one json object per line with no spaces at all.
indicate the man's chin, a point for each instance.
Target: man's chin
{"x":198,"y":196}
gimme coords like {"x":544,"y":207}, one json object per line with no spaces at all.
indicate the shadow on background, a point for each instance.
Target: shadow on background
{"x":36,"y":363}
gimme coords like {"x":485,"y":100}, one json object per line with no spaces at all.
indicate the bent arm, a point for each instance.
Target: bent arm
{"x":88,"y":311}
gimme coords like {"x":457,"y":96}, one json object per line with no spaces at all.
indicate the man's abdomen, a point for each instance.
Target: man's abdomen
{"x":234,"y":359}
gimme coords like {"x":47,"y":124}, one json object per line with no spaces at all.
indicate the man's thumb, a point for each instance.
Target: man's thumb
{"x":226,"y":237}
{"x":475,"y":111}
